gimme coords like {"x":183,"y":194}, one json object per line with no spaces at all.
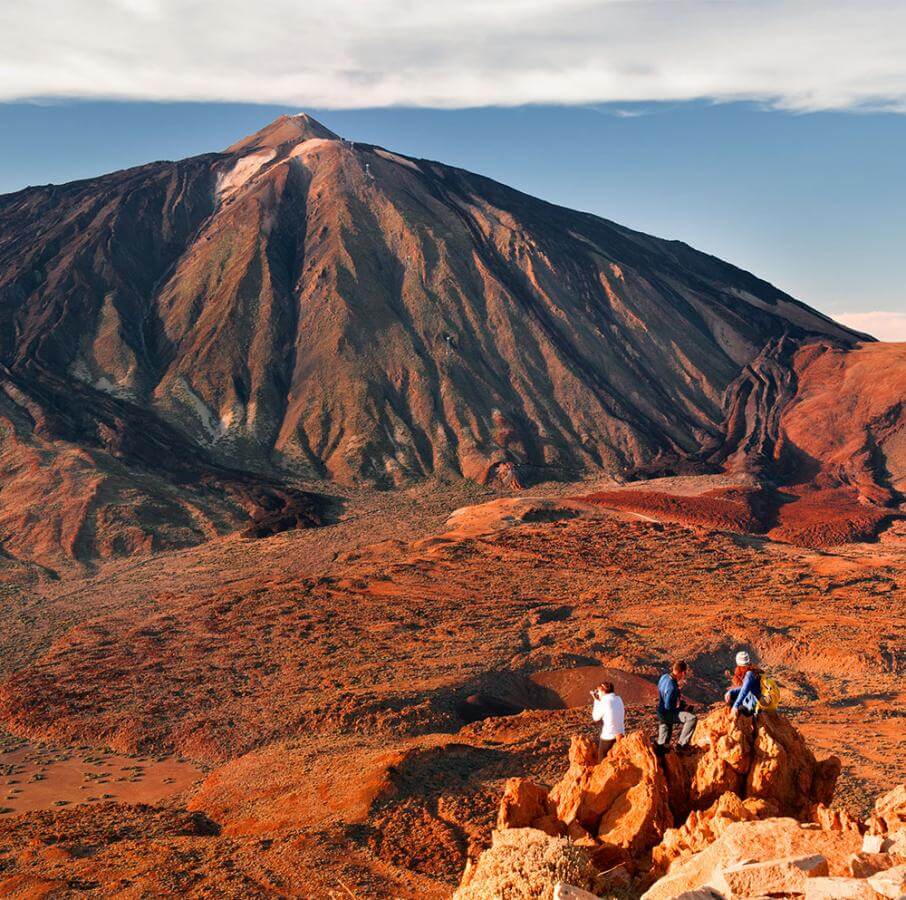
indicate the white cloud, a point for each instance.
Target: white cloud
{"x":885,"y":326}
{"x":799,"y":55}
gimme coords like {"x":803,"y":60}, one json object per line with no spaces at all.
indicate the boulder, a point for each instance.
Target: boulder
{"x":785,"y":771}
{"x":523,"y":802}
{"x":726,"y":742}
{"x":566,"y":795}
{"x":889,"y":882}
{"x":756,"y":841}
{"x":525,"y":864}
{"x":630,"y":806}
{"x":889,"y":813}
{"x":700,"y":829}
{"x":862,"y":865}
{"x":786,"y":875}
{"x":839,"y":888}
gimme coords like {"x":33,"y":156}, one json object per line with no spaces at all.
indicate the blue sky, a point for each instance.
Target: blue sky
{"x":814,"y":202}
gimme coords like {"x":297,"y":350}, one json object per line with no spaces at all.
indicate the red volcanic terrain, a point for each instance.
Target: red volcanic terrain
{"x":334,"y":480}
{"x":359,"y":716}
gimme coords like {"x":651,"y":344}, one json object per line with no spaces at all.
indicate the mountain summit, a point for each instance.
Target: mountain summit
{"x":284,"y":130}
{"x":299,"y":306}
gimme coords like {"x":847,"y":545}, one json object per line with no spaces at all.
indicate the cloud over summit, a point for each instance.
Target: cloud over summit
{"x":349,"y":53}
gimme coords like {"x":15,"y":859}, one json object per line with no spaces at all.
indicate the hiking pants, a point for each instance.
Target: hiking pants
{"x":604,"y":747}
{"x":665,"y":727}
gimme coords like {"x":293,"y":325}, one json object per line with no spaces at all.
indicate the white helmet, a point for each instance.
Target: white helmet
{"x":743,"y":658}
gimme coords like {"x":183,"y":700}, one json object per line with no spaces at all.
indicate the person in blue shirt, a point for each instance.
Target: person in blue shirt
{"x":743,"y":697}
{"x":672,"y":709}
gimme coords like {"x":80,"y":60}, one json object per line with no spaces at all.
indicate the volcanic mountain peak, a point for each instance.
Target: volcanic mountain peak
{"x":284,"y":130}
{"x":298,"y":307}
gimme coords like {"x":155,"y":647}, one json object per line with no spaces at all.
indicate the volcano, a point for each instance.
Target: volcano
{"x":301,"y":309}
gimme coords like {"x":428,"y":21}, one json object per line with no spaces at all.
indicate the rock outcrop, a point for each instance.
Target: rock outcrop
{"x":749,"y":783}
{"x":757,"y":842}
{"x":726,"y":748}
{"x":525,"y":863}
{"x":784,"y":771}
{"x":617,"y":808}
{"x":744,"y":769}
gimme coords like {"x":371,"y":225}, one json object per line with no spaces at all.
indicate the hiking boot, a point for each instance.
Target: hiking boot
{"x":685,"y":750}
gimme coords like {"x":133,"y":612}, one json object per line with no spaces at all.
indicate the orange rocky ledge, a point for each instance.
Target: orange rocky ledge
{"x":747,"y":814}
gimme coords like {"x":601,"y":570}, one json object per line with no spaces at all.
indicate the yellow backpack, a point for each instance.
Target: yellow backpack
{"x":770,"y":694}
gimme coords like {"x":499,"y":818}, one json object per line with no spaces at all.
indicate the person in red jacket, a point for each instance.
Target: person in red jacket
{"x":745,"y":693}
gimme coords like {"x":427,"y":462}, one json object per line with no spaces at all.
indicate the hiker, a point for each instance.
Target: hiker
{"x":745,"y":694}
{"x":671,"y":708}
{"x":608,"y":710}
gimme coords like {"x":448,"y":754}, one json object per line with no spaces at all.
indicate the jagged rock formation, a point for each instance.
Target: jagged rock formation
{"x":300,"y":305}
{"x":768,"y":832}
{"x":650,"y":815}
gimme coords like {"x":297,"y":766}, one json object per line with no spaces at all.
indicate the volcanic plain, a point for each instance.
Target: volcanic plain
{"x":358,"y":694}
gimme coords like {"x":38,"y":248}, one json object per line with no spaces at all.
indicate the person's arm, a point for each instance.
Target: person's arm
{"x":607,"y":715}
{"x":745,"y":690}
{"x":670,"y":696}
{"x":597,"y":710}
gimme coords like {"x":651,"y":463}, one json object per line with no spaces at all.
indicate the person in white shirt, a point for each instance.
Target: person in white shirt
{"x":608,"y":710}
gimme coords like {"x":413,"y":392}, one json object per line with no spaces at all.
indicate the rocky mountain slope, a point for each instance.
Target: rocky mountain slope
{"x":87,"y":477}
{"x":301,"y":306}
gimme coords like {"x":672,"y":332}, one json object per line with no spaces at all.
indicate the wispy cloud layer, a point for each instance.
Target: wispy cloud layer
{"x":349,"y":53}
{"x":885,"y":326}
